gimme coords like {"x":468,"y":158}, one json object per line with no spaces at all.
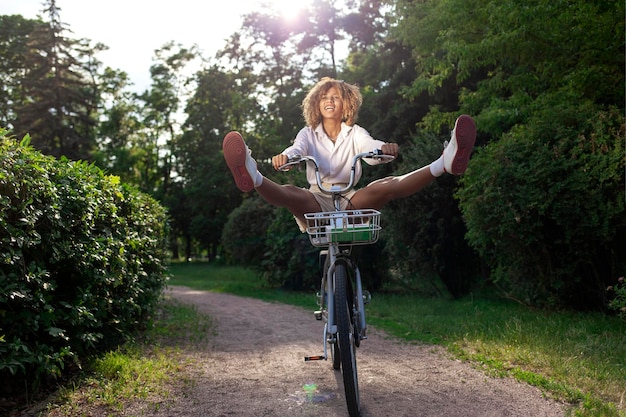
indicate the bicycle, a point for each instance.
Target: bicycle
{"x":341,"y":298}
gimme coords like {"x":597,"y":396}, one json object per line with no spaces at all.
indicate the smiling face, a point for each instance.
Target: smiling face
{"x":341,"y":103}
{"x":331,"y":104}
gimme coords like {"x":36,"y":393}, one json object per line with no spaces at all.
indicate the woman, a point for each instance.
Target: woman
{"x":332,"y":136}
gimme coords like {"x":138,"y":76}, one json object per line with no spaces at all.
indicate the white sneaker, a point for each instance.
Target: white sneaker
{"x":240,"y":162}
{"x":457,"y":152}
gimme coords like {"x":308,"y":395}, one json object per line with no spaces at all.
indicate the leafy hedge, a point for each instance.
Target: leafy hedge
{"x":81,"y":261}
{"x":267,"y":239}
{"x":243,"y":235}
{"x":545,"y":206}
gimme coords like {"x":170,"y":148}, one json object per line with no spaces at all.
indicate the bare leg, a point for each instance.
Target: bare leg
{"x":454,"y":160}
{"x":247,"y":177}
{"x":297,"y":200}
{"x":378,"y":193}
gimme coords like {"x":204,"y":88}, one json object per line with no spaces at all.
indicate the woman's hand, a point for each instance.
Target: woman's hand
{"x":390,"y":149}
{"x":279,"y":160}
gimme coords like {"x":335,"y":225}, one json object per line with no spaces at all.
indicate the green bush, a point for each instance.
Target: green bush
{"x":267,"y":239}
{"x":81,"y":260}
{"x":243,"y":235}
{"x":289,"y":261}
{"x":545,"y":205}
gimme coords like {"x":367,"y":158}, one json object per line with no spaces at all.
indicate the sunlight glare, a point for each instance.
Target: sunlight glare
{"x":289,"y":9}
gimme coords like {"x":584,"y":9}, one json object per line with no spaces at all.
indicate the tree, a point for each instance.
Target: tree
{"x":324,"y":30}
{"x":288,"y":55}
{"x":222,"y":101}
{"x":159,"y":114}
{"x":121,"y":131}
{"x":368,"y":26}
{"x":57,"y":99}
{"x":14,"y":34}
{"x":424,"y":234}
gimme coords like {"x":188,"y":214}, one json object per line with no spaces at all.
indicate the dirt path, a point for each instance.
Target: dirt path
{"x":255,"y":367}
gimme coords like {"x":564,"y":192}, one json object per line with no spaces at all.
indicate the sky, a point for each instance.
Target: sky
{"x":134,"y":29}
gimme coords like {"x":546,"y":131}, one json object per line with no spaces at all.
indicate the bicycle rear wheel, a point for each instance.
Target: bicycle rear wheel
{"x":345,"y":336}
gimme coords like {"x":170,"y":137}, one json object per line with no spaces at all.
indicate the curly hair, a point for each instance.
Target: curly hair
{"x":350,"y":96}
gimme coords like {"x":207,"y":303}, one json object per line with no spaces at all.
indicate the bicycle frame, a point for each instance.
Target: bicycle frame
{"x":341,"y":289}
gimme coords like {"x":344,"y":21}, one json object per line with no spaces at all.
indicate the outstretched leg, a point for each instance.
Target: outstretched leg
{"x":378,"y":193}
{"x":297,"y":200}
{"x":454,"y":160}
{"x":247,"y":177}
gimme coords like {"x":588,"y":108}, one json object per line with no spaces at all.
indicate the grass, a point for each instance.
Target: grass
{"x":145,"y":370}
{"x":575,"y":357}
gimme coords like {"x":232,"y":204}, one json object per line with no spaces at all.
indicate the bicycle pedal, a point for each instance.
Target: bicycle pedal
{"x":314,"y":358}
{"x":318,"y":314}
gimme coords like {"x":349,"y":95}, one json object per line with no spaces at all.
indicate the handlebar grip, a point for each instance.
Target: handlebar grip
{"x":291,"y":160}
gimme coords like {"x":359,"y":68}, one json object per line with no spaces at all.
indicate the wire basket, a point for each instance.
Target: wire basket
{"x":349,"y":227}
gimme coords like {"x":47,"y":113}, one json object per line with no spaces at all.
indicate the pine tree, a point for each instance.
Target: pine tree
{"x":58,"y":97}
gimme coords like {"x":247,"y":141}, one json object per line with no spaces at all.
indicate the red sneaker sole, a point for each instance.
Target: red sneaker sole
{"x":465,"y":131}
{"x":235,"y":153}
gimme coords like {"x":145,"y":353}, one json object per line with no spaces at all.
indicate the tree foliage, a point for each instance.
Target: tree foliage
{"x":122,"y":149}
{"x":54,"y":97}
{"x":544,"y":201}
{"x":555,"y":237}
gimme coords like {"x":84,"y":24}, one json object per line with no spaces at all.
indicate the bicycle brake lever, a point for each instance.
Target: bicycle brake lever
{"x":294,"y":158}
{"x":379,"y":155}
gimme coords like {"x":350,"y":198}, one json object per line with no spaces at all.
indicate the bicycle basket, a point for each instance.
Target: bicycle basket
{"x":350,"y":227}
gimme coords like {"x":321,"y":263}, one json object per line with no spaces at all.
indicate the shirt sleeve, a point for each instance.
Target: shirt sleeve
{"x":366,"y":143}
{"x":300,"y":145}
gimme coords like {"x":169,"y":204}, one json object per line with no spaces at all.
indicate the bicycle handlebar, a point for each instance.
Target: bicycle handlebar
{"x":296,"y":159}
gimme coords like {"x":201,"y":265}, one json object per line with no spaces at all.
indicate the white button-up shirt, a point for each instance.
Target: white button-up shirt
{"x":334,"y":159}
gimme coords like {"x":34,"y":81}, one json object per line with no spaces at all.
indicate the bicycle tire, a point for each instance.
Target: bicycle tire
{"x":345,"y":337}
{"x":334,"y":347}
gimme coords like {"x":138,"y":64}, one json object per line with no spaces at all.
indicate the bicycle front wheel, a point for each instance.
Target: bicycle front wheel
{"x":345,"y":336}
{"x":333,"y":345}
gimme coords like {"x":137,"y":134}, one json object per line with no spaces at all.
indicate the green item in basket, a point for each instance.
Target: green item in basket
{"x":351,"y":234}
